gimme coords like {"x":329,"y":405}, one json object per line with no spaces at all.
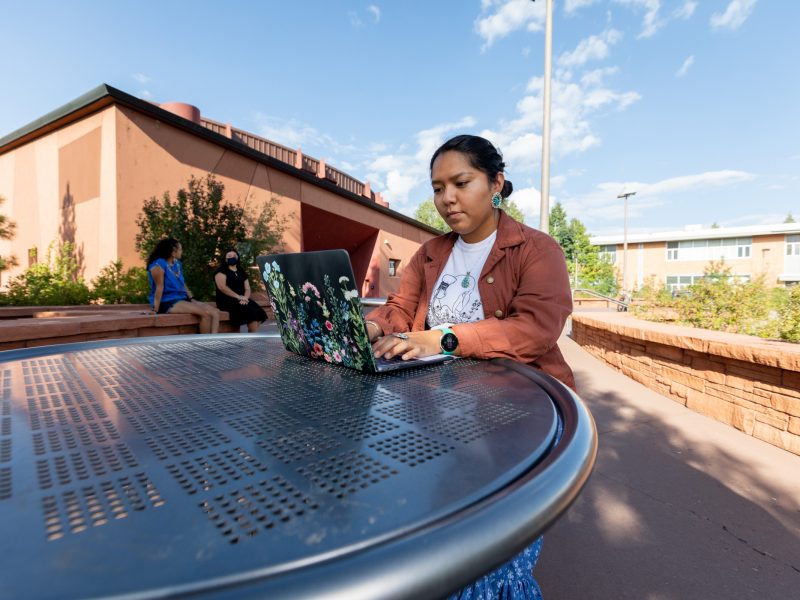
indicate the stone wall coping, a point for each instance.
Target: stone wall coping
{"x":773,"y":353}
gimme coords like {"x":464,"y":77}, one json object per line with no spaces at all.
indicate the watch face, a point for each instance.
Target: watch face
{"x":449,"y":342}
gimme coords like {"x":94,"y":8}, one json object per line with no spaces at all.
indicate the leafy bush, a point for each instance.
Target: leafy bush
{"x":789,"y":316}
{"x":54,"y":282}
{"x":206,"y":226}
{"x":719,"y":302}
{"x":113,"y":285}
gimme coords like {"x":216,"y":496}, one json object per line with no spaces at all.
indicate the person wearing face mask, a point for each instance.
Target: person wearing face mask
{"x":233,"y":293}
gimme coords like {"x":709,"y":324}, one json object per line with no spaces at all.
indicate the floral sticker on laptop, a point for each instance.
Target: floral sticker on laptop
{"x":323,"y":324}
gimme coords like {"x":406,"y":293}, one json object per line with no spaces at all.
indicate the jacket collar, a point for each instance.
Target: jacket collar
{"x":509,"y":233}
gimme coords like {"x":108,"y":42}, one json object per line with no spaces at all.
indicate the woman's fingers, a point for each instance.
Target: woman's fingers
{"x":405,"y":345}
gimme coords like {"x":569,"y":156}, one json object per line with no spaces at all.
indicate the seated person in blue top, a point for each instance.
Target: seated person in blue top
{"x":233,"y":293}
{"x":168,"y":291}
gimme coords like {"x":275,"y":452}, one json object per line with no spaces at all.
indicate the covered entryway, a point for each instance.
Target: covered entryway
{"x":323,"y":230}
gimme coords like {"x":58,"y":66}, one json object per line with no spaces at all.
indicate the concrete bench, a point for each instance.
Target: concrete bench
{"x":24,"y":327}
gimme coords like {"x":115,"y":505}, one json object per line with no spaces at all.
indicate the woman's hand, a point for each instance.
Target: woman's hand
{"x":242,"y":300}
{"x":415,"y":344}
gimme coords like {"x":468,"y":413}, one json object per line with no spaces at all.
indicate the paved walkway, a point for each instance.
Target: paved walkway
{"x":679,"y":506}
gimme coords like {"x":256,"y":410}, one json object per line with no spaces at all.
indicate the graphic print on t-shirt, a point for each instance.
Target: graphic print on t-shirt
{"x":455,"y":300}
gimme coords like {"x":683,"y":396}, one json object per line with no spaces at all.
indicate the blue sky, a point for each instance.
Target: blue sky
{"x":692,"y":104}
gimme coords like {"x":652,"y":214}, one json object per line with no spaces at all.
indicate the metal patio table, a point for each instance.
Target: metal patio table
{"x":224,"y":467}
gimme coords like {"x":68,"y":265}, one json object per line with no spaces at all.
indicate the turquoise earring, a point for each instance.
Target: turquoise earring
{"x":497,"y":200}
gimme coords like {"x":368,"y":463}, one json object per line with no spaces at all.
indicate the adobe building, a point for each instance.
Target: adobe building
{"x":676,"y":259}
{"x":82,"y":172}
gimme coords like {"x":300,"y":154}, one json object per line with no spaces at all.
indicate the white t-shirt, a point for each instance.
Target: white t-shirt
{"x":455,"y":297}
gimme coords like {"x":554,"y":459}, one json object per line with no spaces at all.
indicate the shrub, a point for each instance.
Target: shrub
{"x":789,"y":316}
{"x":718,"y":301}
{"x":113,"y":285}
{"x":54,"y":282}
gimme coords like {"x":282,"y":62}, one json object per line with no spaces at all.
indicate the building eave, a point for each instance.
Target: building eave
{"x":105,"y":95}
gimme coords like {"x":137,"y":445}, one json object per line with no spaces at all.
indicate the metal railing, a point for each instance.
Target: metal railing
{"x":621,"y":305}
{"x":286,"y":155}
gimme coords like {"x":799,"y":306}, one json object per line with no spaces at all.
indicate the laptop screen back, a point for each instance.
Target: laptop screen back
{"x":316,"y":306}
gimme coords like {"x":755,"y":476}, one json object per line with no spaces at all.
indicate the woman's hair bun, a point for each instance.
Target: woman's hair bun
{"x":507,"y":189}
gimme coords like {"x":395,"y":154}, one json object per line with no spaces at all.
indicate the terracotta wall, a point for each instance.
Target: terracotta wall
{"x":87,"y":181}
{"x":63,"y":186}
{"x":749,"y":383}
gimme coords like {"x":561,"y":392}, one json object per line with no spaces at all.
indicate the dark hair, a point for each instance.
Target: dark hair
{"x":223,"y":262}
{"x":163,"y":249}
{"x":482,"y":155}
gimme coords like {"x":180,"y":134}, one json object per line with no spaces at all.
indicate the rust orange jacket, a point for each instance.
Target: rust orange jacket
{"x":524,"y":288}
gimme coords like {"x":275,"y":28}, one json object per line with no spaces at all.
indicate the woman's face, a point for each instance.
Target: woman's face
{"x":177,"y":252}
{"x":463,"y":196}
{"x":231,"y":255}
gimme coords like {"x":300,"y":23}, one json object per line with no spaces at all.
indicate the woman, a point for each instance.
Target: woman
{"x":491,"y":288}
{"x":168,"y":291}
{"x":233,"y":293}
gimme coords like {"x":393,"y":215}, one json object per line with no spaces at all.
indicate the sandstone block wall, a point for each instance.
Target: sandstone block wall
{"x":749,"y":383}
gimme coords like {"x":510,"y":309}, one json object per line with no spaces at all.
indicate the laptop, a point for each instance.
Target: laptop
{"x":318,"y":311}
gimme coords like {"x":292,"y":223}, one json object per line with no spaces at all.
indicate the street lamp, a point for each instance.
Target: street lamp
{"x":544,"y":202}
{"x":625,"y":195}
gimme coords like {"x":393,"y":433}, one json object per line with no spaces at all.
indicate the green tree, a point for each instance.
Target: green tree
{"x":427,"y":213}
{"x":714,"y":225}
{"x":207,"y":226}
{"x":7,"y":228}
{"x":583,"y":259}
{"x":789,"y":218}
{"x":54,"y":282}
{"x":513,"y":210}
{"x":115,"y":285}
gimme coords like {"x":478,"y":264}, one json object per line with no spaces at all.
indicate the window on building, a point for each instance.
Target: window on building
{"x":682,"y":282}
{"x":793,"y":245}
{"x":608,"y":253}
{"x":706,"y":250}
{"x":394,"y":264}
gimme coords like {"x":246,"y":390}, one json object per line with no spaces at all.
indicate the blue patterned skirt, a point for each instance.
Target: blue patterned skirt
{"x":513,"y":581}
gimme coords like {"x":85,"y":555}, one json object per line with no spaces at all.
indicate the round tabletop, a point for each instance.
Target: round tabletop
{"x":223,"y":466}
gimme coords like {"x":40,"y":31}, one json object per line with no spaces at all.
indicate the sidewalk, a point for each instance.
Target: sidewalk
{"x":679,"y":506}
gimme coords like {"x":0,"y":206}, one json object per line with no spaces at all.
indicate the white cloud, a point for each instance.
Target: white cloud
{"x":507,"y":16}
{"x":595,"y":47}
{"x":737,"y":12}
{"x":526,"y":52}
{"x":400,"y":173}
{"x":571,"y":6}
{"x":685,"y":66}
{"x":686,"y":11}
{"x":602,"y":203}
{"x":596,"y":77}
{"x":528,"y":200}
{"x":145,"y":94}
{"x":651,"y":21}
{"x":141,"y":78}
{"x":375,"y":11}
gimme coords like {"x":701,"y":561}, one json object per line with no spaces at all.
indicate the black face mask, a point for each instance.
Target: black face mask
{"x":232,"y":261}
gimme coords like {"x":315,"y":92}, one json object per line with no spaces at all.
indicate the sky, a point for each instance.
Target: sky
{"x":692,"y":104}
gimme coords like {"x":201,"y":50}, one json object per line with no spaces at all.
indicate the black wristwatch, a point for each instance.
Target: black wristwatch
{"x":448,"y":342}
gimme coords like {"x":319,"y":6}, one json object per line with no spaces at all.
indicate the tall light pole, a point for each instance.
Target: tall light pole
{"x":625,"y":195}
{"x":544,"y":204}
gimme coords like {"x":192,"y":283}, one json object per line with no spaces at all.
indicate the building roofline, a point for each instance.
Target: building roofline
{"x":697,"y":234}
{"x":105,"y":95}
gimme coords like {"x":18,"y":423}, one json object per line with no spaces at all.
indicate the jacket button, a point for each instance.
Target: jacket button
{"x":490,"y":279}
{"x":498,"y":313}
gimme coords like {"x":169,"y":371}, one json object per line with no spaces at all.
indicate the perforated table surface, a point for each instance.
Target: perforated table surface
{"x":223,"y":466}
